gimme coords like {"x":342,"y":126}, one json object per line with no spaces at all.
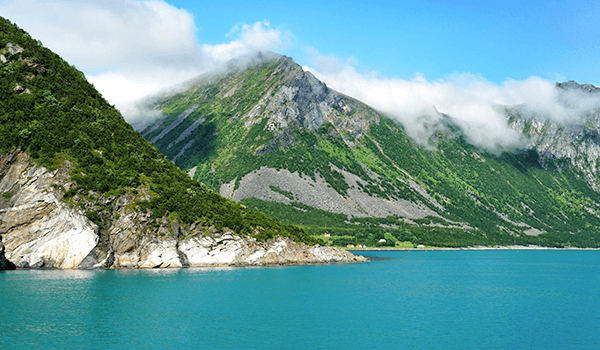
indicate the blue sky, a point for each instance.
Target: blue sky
{"x":555,"y":40}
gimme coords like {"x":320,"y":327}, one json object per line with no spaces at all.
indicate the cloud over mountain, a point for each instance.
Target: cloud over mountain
{"x":130,"y":49}
{"x":471,"y":101}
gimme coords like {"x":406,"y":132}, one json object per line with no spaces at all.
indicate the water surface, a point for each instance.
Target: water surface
{"x":405,"y":300}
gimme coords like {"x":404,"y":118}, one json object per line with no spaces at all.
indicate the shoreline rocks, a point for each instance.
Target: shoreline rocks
{"x":39,"y":230}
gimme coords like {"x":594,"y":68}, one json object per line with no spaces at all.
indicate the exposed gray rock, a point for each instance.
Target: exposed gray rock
{"x":192,"y":172}
{"x":307,"y":102}
{"x":571,"y":84}
{"x":21,"y":89}
{"x":533,"y":232}
{"x":318,"y":194}
{"x":578,"y":144}
{"x":281,"y":139}
{"x":14,"y":49}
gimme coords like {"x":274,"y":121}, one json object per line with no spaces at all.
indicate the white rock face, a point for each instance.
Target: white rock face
{"x":205,"y":251}
{"x":234,"y":250}
{"x":164,"y":254}
{"x":36,"y":228}
{"x":231,"y":250}
{"x":62,"y":238}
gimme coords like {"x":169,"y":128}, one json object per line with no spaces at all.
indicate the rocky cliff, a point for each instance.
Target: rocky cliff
{"x":575,"y":140}
{"x":40,"y":230}
{"x":274,"y":87}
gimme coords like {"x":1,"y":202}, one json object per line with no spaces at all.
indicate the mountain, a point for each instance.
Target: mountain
{"x":274,"y":138}
{"x":82,"y":189}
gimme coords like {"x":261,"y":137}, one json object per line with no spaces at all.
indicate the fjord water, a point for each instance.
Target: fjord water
{"x":400,"y":300}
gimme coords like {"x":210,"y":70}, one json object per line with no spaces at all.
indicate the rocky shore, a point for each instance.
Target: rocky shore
{"x":39,"y":230}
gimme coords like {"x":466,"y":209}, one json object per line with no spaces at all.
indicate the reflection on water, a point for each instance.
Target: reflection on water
{"x":54,"y":274}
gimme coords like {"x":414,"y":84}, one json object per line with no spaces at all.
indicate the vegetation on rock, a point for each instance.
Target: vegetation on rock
{"x":50,"y":111}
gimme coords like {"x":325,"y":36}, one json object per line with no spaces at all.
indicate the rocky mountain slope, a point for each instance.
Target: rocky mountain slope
{"x":81,"y":189}
{"x":576,"y":142}
{"x":273,"y":137}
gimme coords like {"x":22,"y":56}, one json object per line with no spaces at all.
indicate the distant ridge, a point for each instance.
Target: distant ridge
{"x":571,"y":84}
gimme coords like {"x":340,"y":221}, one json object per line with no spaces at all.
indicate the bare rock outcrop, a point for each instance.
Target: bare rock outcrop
{"x":575,"y":139}
{"x":37,"y":229}
{"x":233,"y":250}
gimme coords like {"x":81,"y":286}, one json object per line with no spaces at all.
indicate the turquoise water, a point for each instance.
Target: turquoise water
{"x":405,"y":300}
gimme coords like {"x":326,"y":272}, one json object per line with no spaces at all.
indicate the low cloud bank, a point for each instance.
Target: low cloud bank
{"x":140,"y":82}
{"x":142,"y":111}
{"x":472,"y":102}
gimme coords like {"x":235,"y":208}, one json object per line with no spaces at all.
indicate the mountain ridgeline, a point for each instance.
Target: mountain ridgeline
{"x":274,"y":138}
{"x":82,"y":189}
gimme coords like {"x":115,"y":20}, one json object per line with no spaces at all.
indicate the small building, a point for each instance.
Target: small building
{"x":350,"y":246}
{"x":382,"y":240}
{"x":327,"y":234}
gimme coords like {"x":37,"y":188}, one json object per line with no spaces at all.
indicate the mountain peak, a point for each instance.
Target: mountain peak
{"x":272,"y":92}
{"x":571,"y":85}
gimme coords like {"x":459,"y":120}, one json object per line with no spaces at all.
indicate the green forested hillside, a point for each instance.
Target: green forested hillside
{"x":380,"y":184}
{"x":50,"y":111}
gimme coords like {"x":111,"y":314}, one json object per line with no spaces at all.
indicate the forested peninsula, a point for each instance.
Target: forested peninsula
{"x":82,"y":189}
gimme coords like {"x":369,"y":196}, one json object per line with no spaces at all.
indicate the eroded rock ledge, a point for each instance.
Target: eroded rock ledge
{"x":38,"y":230}
{"x":231,"y":250}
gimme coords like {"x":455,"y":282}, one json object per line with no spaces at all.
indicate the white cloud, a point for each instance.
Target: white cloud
{"x":470,"y":100}
{"x":121,"y":87}
{"x":252,"y":38}
{"x":129,"y":49}
{"x":100,"y":34}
